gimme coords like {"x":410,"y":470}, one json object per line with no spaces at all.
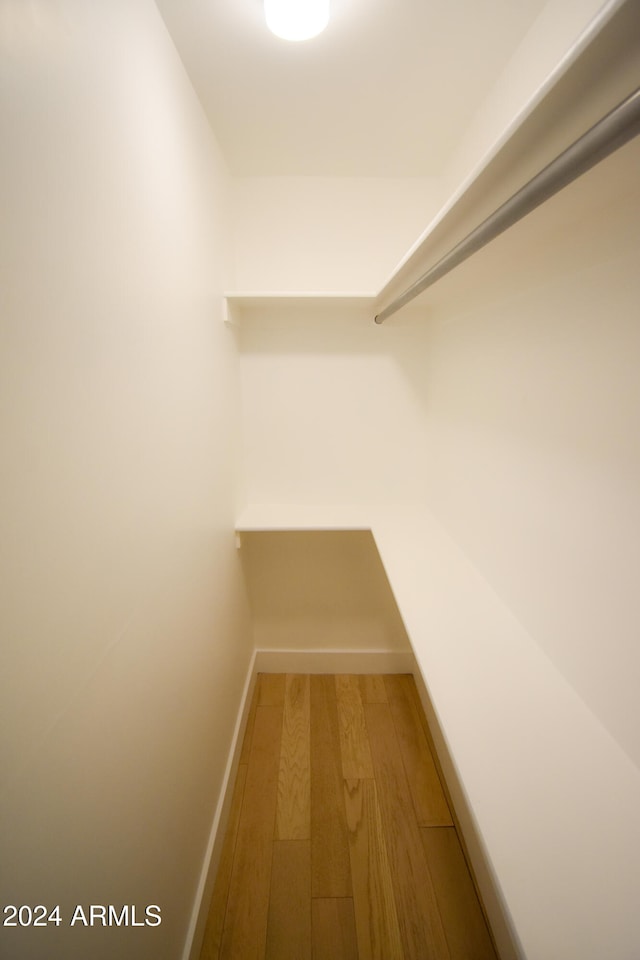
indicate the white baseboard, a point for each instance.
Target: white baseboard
{"x":274,"y":661}
{"x":335,"y":661}
{"x":204,"y":892}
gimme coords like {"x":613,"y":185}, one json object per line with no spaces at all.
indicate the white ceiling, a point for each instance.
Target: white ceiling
{"x":386,"y":91}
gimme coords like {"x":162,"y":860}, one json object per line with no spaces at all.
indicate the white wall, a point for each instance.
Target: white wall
{"x":321,"y":590}
{"x":329,"y":416}
{"x":124,"y":620}
{"x":533,"y":411}
{"x":326,"y":234}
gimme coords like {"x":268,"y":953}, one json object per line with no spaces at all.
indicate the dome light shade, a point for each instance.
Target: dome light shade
{"x":296,"y":19}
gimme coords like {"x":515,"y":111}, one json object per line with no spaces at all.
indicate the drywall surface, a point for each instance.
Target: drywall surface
{"x":320,"y":590}
{"x":329,"y":416}
{"x":125,"y":635}
{"x":326,"y":234}
{"x":562,"y":28}
{"x":532,"y":399}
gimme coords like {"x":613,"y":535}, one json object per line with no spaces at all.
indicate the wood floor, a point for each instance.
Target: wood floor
{"x":340,"y":843}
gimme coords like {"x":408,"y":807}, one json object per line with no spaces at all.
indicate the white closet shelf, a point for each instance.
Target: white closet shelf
{"x":550,"y":116}
{"x":289,"y":304}
{"x":528,"y":141}
{"x":262,"y":297}
{"x":274,"y":517}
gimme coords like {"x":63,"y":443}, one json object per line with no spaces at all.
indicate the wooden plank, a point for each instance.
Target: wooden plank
{"x":251,"y":719}
{"x":418,"y":914}
{"x":271,"y":687}
{"x":293,"y":816}
{"x":289,"y":926}
{"x":464,"y":923}
{"x":330,"y":866}
{"x":333,"y":929}
{"x":245,"y":927}
{"x":354,"y":743}
{"x":215,"y":920}
{"x":426,"y":789}
{"x":372,"y":688}
{"x":412,"y":691}
{"x":376,"y":919}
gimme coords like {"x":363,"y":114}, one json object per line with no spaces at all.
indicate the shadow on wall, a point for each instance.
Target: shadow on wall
{"x":320,"y":590}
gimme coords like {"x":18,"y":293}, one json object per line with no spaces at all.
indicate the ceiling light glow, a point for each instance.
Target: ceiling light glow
{"x":296,"y":19}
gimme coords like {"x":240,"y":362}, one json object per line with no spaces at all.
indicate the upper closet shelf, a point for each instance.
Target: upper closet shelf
{"x":289,"y":304}
{"x":533,"y":118}
{"x":264,"y":298}
{"x":270,"y":517}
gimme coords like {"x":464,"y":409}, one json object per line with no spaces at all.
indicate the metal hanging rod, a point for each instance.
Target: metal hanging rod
{"x":613,"y":131}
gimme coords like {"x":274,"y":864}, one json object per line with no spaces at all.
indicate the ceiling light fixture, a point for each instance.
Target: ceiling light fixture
{"x":296,"y":19}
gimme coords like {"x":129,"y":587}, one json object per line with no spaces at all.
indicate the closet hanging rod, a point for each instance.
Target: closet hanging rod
{"x":613,"y":131}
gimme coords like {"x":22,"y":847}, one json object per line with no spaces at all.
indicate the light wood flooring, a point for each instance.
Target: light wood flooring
{"x":340,"y":843}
